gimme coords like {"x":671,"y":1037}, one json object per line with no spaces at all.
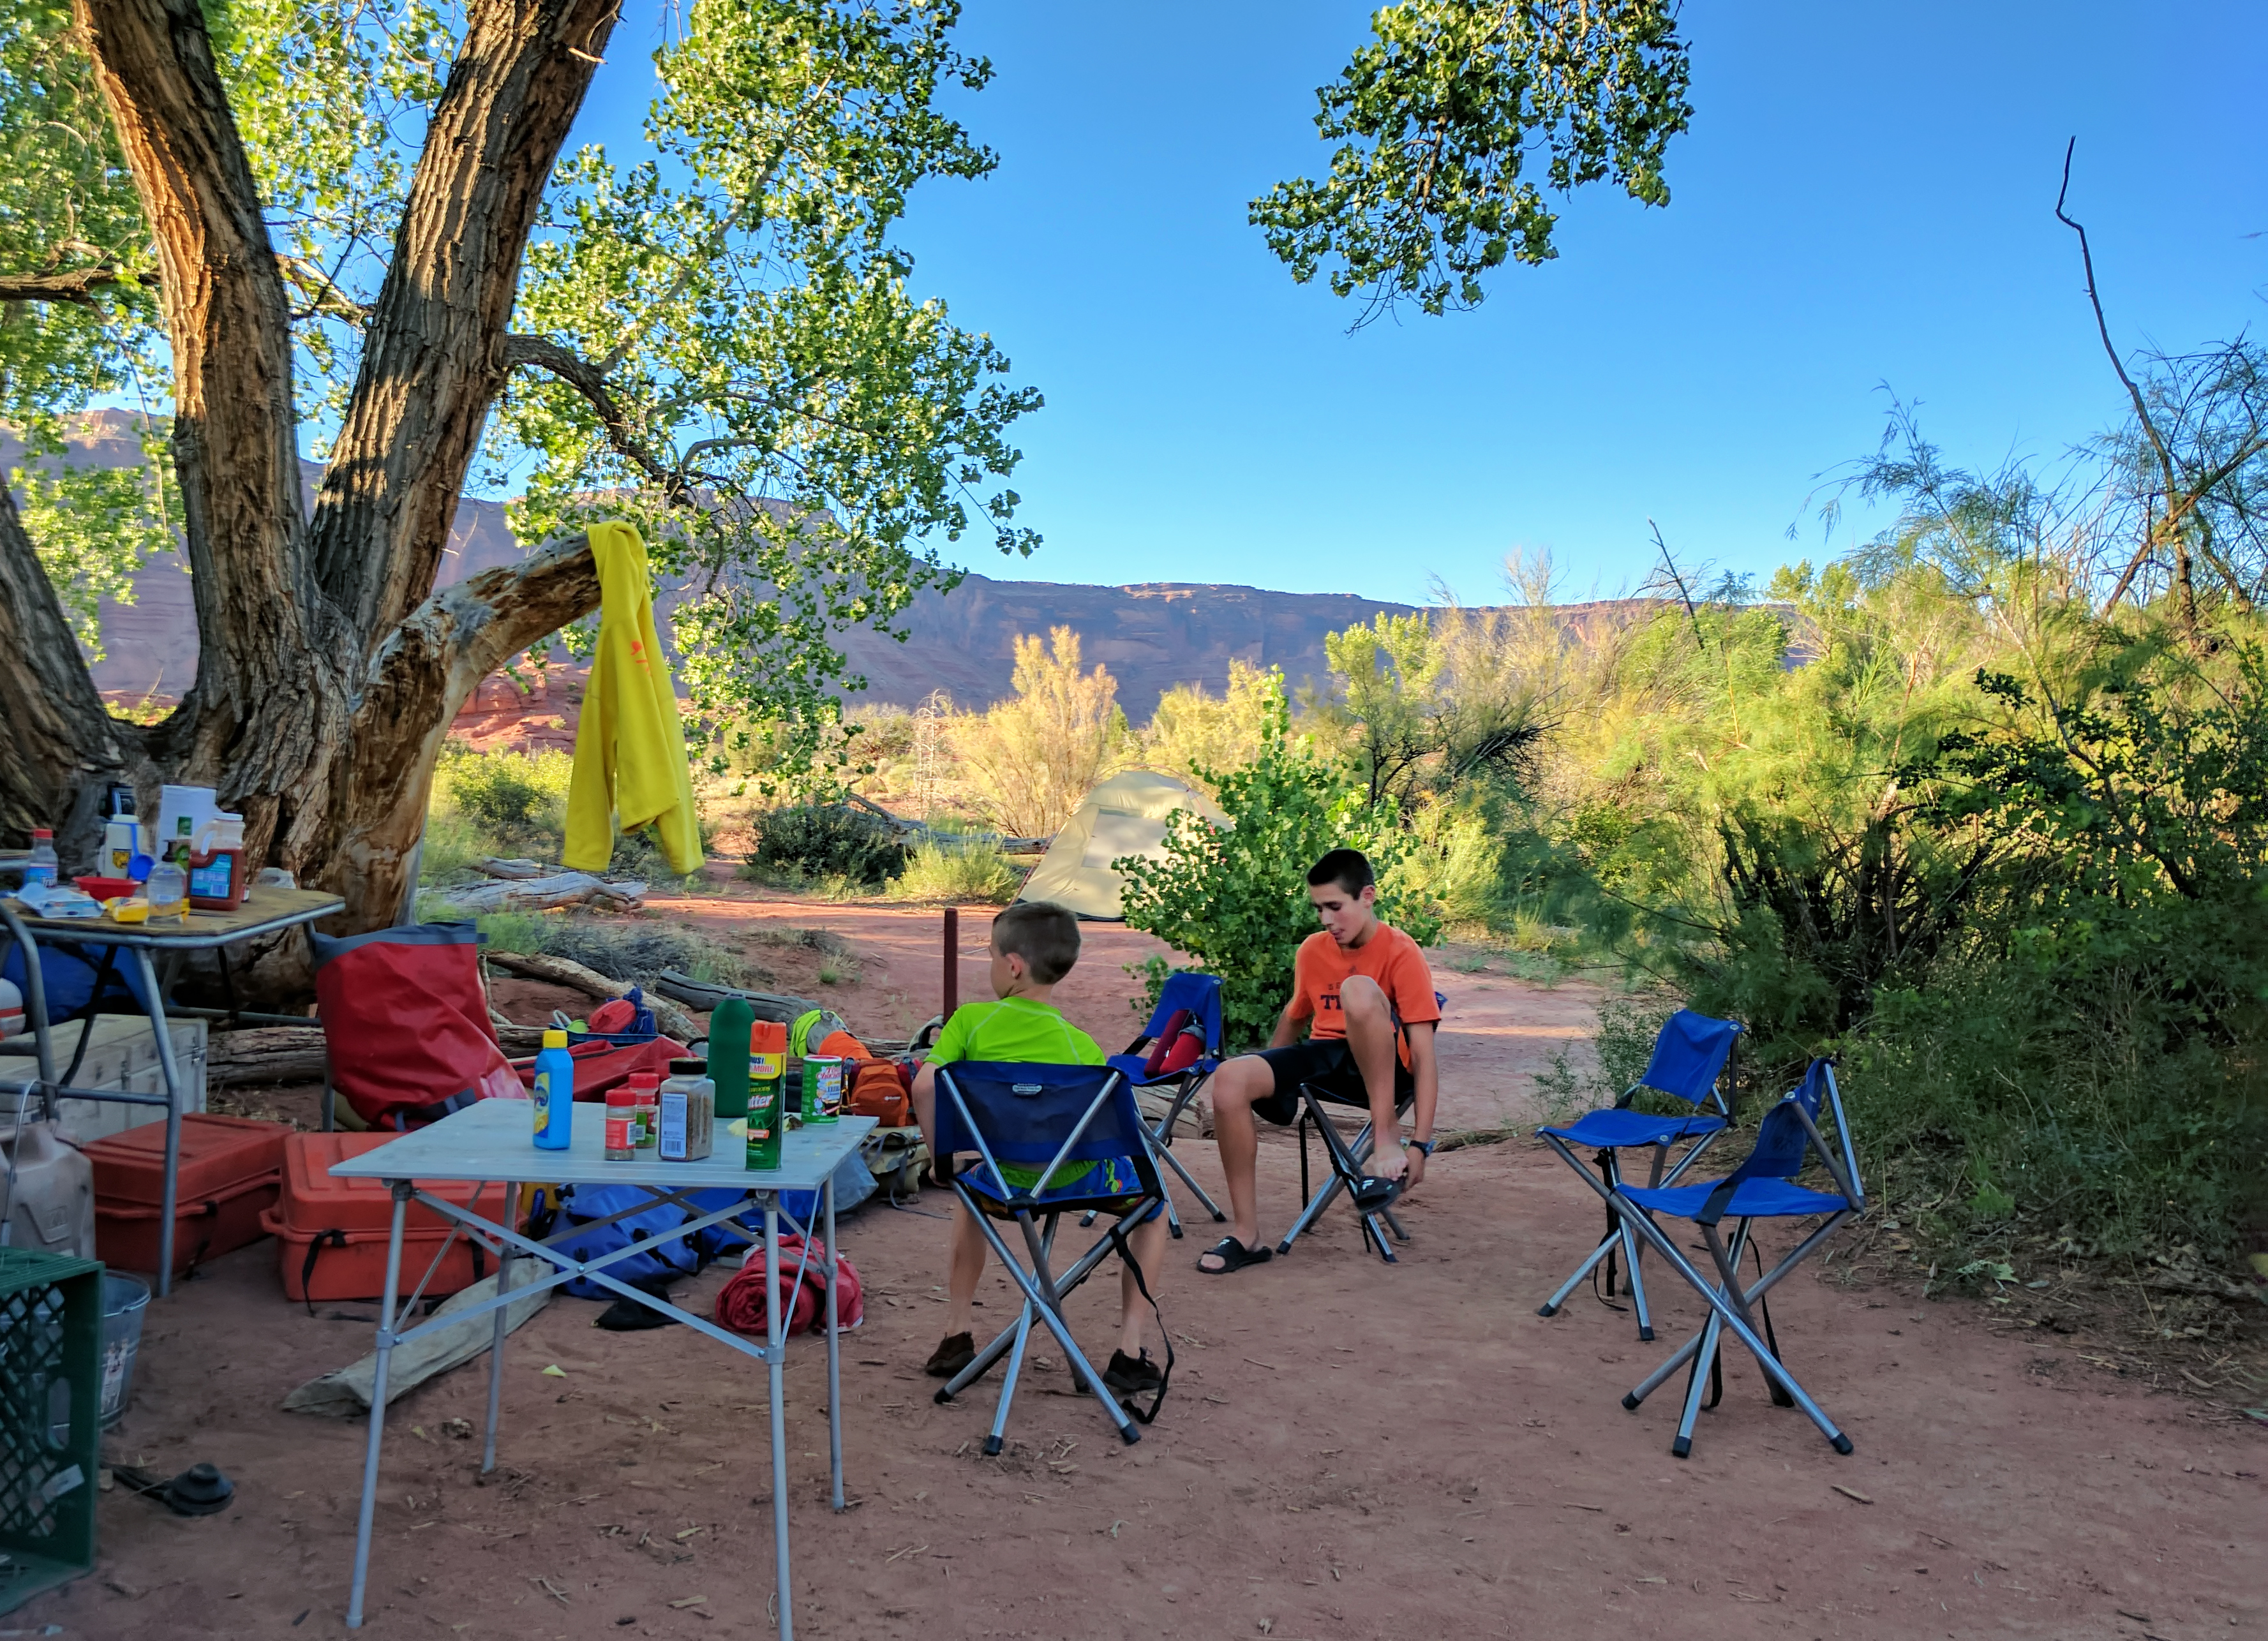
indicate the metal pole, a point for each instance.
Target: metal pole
{"x":775,"y":1357}
{"x":172,"y":1076}
{"x":952,"y":961}
{"x":378,"y":1404}
{"x":834,"y":1350}
{"x":495,"y":1342}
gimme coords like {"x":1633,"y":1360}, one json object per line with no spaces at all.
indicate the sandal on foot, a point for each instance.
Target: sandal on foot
{"x":1234,"y":1255}
{"x":953,"y":1352}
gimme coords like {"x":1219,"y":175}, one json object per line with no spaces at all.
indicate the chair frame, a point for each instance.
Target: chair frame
{"x":1346,"y":1157}
{"x":1619,"y":1236}
{"x":1730,"y":1299}
{"x":1161,"y":1133}
{"x":1043,"y":1291}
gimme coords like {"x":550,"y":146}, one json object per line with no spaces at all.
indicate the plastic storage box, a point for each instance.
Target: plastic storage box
{"x":331,"y":1233}
{"x":231,"y":1168}
{"x":121,"y":1053}
{"x":50,"y":1419}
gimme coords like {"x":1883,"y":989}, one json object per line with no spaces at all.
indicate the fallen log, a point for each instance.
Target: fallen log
{"x":700,"y":993}
{"x":261,"y":1055}
{"x":565,"y":971}
{"x":565,"y":888}
{"x":521,"y":869}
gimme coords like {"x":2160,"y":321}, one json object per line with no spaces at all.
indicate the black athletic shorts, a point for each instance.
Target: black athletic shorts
{"x":1328,"y":1063}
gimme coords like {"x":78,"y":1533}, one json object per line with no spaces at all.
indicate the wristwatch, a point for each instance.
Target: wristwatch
{"x":1424,"y":1147}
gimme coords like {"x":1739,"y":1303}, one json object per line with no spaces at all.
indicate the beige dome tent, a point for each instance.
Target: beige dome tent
{"x":1124,"y":815}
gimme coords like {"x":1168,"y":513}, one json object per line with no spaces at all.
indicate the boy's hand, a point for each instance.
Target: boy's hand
{"x":1417,"y":1161}
{"x":1390,"y":1162}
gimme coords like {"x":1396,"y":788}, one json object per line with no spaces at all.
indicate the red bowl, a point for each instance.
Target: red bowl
{"x":107,"y":889}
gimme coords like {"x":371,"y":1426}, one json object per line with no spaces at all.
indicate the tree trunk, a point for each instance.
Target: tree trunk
{"x":329,"y":668}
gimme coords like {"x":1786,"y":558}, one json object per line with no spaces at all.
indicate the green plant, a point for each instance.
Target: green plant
{"x":1236,"y":900}
{"x":804,"y":843}
{"x":944,"y":871}
{"x":1033,"y":758}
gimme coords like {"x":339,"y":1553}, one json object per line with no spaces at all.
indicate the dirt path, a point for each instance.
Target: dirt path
{"x":1349,"y":1450}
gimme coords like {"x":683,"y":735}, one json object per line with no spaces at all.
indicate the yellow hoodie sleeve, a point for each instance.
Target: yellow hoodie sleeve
{"x":629,"y":744}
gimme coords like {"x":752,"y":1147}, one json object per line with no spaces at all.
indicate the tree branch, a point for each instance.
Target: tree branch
{"x":433,"y":350}
{"x":589,"y":380}
{"x":78,"y":286}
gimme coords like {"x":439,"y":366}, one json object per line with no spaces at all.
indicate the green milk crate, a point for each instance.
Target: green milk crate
{"x":50,"y":1419}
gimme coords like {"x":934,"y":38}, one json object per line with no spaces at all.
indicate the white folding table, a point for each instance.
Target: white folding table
{"x":492,"y":1143}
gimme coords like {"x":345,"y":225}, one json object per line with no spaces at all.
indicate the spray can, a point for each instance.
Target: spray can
{"x":554,"y":1095}
{"x":766,"y":1121}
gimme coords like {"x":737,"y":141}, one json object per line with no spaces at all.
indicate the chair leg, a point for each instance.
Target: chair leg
{"x":1551,"y":1306}
{"x":993,"y":1442}
{"x":1636,"y":1282}
{"x":1702,"y":1360}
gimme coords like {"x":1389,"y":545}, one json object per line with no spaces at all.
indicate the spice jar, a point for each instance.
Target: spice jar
{"x":622,"y":1125}
{"x":646,"y":1088}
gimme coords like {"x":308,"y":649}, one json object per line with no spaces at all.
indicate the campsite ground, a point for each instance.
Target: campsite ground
{"x":1348,"y":1450}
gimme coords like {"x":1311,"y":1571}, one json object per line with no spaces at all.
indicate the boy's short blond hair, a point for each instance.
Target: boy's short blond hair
{"x":1043,"y":934}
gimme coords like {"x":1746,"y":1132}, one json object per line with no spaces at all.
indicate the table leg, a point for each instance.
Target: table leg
{"x":834,"y":1349}
{"x":35,"y":996}
{"x":495,"y":1343}
{"x":776,"y":1339}
{"x":378,"y":1405}
{"x":173,"y":1077}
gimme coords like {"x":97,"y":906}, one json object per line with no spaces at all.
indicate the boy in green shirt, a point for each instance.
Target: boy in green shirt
{"x":1034,"y":944}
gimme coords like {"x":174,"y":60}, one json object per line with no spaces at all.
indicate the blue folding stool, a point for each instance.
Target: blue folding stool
{"x":1199,"y":996}
{"x":1765,"y":1187}
{"x":1075,"y":1122}
{"x":1689,"y":1057}
{"x":1373,"y":1203}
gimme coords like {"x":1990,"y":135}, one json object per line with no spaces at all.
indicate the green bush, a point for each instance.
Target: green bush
{"x":1236,"y":900}
{"x":806,"y":842}
{"x":940,"y":870}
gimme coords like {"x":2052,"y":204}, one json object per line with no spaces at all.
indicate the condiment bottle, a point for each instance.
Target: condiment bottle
{"x":687,"y":1106}
{"x":622,"y":1125}
{"x":554,"y":1095}
{"x":647,"y":1087}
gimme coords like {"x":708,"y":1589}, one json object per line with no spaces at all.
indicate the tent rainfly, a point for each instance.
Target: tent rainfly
{"x":1124,"y":815}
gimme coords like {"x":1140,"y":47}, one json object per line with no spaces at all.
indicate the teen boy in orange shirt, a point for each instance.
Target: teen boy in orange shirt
{"x":1352,"y":982}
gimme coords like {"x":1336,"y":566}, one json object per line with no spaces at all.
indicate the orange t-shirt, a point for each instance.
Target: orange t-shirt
{"x":1390,"y":957}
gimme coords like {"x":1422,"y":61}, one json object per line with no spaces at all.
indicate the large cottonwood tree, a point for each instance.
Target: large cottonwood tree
{"x":347,"y":227}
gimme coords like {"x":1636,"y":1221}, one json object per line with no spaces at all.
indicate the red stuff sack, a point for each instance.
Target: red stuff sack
{"x":741,"y":1302}
{"x":406,"y":1024}
{"x":1154,"y":1066}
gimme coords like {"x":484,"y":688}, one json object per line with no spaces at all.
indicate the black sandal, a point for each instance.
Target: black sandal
{"x":1234,"y":1255}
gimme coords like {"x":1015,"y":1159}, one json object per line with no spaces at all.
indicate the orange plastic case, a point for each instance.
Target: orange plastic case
{"x":230,"y":1171}
{"x":331,"y":1234}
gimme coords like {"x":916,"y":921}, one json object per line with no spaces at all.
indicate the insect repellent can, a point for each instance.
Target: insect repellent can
{"x":767,"y":1116}
{"x":822,"y":1088}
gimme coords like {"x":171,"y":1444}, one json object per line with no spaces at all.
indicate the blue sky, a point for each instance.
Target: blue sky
{"x":1864,"y":200}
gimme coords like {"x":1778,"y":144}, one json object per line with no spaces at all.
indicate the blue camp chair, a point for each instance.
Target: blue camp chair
{"x":1198,"y":997}
{"x":1689,"y":1055}
{"x":1371,"y":1199}
{"x":1765,"y":1187}
{"x":1051,"y":1119}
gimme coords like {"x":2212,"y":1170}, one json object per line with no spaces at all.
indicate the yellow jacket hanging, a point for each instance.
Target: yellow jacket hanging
{"x":629,"y":747}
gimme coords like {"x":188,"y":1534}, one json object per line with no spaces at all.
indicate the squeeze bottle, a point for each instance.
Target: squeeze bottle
{"x":728,"y":1055}
{"x":554,"y":1096}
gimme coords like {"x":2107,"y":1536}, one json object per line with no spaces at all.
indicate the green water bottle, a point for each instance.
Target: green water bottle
{"x":728,"y":1055}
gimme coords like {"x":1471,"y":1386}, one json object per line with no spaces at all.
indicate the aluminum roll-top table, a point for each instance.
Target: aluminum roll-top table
{"x":493,"y":1142}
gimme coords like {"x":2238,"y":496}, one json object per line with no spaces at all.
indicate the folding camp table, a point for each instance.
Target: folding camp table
{"x":265,"y":911}
{"x":493,"y":1142}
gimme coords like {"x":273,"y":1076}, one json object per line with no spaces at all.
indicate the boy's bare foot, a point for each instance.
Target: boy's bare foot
{"x":953,"y":1352}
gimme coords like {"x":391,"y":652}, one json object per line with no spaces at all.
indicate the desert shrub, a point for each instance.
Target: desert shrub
{"x":1031,"y":760}
{"x":1236,"y":900}
{"x":1191,"y":730}
{"x":808,"y":842}
{"x":512,"y":793}
{"x":621,"y":949}
{"x":946,"y":869}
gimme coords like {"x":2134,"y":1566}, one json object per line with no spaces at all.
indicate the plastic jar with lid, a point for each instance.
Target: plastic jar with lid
{"x":687,"y":1110}
{"x":646,"y":1086}
{"x":622,"y":1125}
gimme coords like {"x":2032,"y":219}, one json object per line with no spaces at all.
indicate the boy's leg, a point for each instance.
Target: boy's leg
{"x":1148,"y":1242}
{"x":1233,"y":1089}
{"x":965,"y":1266}
{"x":1370,"y":1038}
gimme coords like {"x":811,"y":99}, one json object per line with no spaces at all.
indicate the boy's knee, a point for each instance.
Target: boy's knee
{"x":1239,"y":1082}
{"x":1361,"y":999}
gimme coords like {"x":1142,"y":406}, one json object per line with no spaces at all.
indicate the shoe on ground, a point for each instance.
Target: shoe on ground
{"x":1130,"y":1375}
{"x":953,"y":1353}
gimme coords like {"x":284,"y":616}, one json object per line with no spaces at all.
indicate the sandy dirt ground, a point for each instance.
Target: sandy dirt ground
{"x":1348,"y":1449}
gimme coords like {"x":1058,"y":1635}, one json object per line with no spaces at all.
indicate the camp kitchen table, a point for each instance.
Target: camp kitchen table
{"x":493,"y":1142}
{"x":265,"y":911}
